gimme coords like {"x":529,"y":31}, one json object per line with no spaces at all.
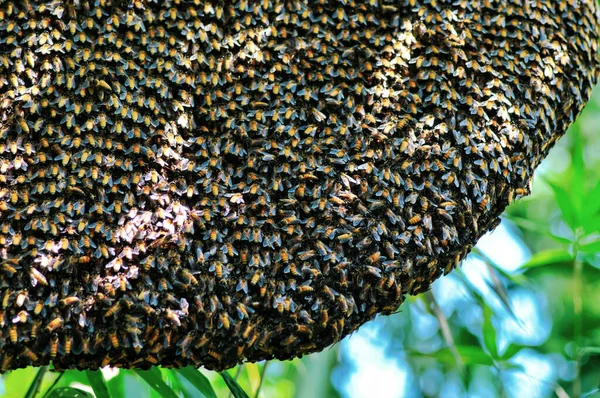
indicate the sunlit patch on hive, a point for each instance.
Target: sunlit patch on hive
{"x":210,"y":182}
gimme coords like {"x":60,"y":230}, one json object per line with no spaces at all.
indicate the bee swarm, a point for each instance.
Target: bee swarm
{"x":211,"y":182}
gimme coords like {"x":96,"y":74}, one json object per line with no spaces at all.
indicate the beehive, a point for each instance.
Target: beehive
{"x":211,"y":182}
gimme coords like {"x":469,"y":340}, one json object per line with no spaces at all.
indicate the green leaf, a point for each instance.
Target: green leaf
{"x":470,"y":355}
{"x":592,"y":201}
{"x":566,"y":205}
{"x":548,"y":257}
{"x":513,"y":366}
{"x":592,"y":393}
{"x":445,"y":327}
{"x":498,"y":287}
{"x":591,"y":224}
{"x":511,"y":351}
{"x":98,"y":383}
{"x":69,"y":392}
{"x":36,"y":383}
{"x":489,"y":332}
{"x":199,"y":381}
{"x":537,"y":227}
{"x":154,"y":378}
{"x":578,"y":167}
{"x":589,"y":350}
{"x":590,"y":247}
{"x":234,"y":387}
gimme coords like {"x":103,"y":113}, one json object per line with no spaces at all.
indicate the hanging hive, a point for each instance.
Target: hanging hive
{"x":213,"y":182}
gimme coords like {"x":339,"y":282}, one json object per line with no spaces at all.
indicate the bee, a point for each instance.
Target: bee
{"x":53,"y":346}
{"x":305,"y":289}
{"x":69,"y":301}
{"x":114,"y":339}
{"x":415,"y":219}
{"x":255,"y":278}
{"x":13,"y":334}
{"x":113,"y":310}
{"x":85,"y":344}
{"x":6,"y":361}
{"x":54,"y":324}
{"x":68,"y":343}
{"x":37,"y":277}
{"x":30,"y":354}
{"x":217,"y":268}
{"x":324,"y":318}
{"x":224,"y":320}
{"x":173,"y":317}
{"x":373,"y":258}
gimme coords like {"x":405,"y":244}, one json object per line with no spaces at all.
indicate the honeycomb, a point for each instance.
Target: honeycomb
{"x":212,"y":182}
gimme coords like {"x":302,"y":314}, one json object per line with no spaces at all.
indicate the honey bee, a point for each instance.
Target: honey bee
{"x":173,"y":317}
{"x":53,"y":346}
{"x":256,"y":278}
{"x":68,"y":343}
{"x":215,"y":355}
{"x":224,"y":320}
{"x":6,"y":361}
{"x":114,"y":339}
{"x":373,"y":258}
{"x":113,"y":310}
{"x":54,"y":324}
{"x":13,"y":334}
{"x":37,"y":277}
{"x":30,"y":354}
{"x":69,"y":301}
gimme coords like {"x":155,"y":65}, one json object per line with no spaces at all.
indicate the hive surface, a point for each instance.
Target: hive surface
{"x":212,"y":182}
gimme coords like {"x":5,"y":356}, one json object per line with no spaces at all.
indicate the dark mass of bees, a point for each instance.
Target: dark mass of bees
{"x":212,"y":182}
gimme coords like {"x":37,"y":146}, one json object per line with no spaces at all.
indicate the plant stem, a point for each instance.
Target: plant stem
{"x":262,"y":378}
{"x":36,"y":383}
{"x":446,"y":332}
{"x":578,"y":321}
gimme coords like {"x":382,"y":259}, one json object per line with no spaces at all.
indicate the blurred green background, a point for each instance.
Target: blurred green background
{"x":519,"y":318}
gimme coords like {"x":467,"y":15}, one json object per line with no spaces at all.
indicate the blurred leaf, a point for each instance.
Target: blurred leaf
{"x":489,"y":332}
{"x":591,"y":247}
{"x":261,"y":380}
{"x":592,"y":201}
{"x":199,"y":381}
{"x":514,"y":366}
{"x":517,"y":279}
{"x":234,"y":387}
{"x":69,"y":392}
{"x":313,"y":377}
{"x":578,"y":167}
{"x":566,"y":205}
{"x":36,"y":383}
{"x":589,"y":350}
{"x":57,"y":380}
{"x":591,"y":223}
{"x":498,"y":287}
{"x":154,"y":378}
{"x":592,"y":393}
{"x":547,"y":257}
{"x":533,"y":226}
{"x":98,"y":383}
{"x":446,"y":332}
{"x":511,"y":351}
{"x":252,"y":373}
{"x":471,"y":355}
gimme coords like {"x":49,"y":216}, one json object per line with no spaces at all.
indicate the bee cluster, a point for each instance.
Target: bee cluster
{"x":209,"y":182}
